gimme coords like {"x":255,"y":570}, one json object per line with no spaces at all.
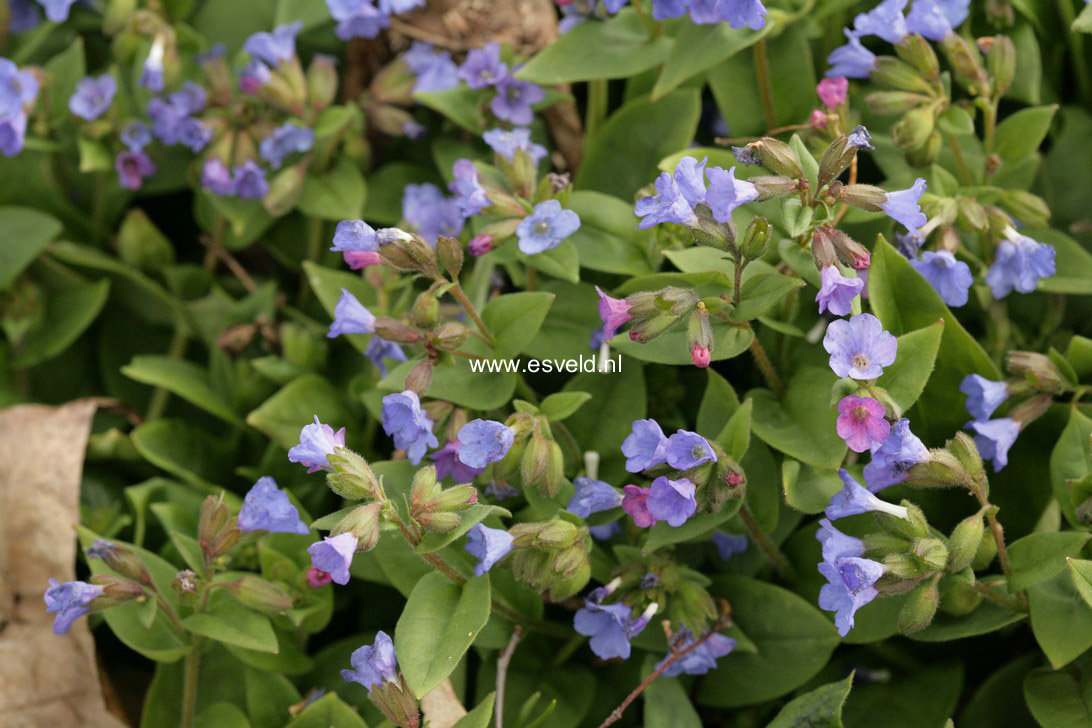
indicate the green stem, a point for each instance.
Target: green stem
{"x":651,"y":28}
{"x":171,"y":615}
{"x":314,"y":250}
{"x":189,"y":685}
{"x":768,"y":547}
{"x":597,"y":104}
{"x":979,"y":488}
{"x":160,"y":396}
{"x":457,"y":291}
{"x":1004,"y":601}
{"x":1076,"y":49}
{"x":964,"y":171}
{"x":765,"y":91}
{"x":764,"y":363}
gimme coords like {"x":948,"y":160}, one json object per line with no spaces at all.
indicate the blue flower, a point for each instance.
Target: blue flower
{"x":668,"y":205}
{"x":610,"y":626}
{"x":909,"y":243}
{"x":357,"y":18}
{"x":664,"y":9}
{"x":193,"y":134}
{"x":483,"y":67}
{"x":135,"y":135}
{"x":425,"y":207}
{"x":672,"y":500}
{"x":860,"y":138}
{"x":57,"y":10}
{"x":350,"y":235}
{"x":957,"y":11}
{"x":507,"y":142}
{"x":737,"y":13}
{"x":93,"y":96}
{"x":408,"y":425}
{"x":902,"y":206}
{"x":893,"y":458}
{"x":470,"y":196}
{"x":447,"y":462}
{"x":333,"y":555}
{"x":316,"y":442}
{"x":514,"y":100}
{"x":166,"y":120}
{"x":728,"y":545}
{"x":267,"y":508}
{"x":435,"y":71}
{"x":951,"y":278}
{"x":133,"y":168}
{"x":885,"y":20}
{"x":854,"y":499}
{"x":593,"y":496}
{"x":216,"y":178}
{"x":253,"y":76}
{"x":994,"y":438}
{"x":928,"y":19}
{"x":276,"y":47}
{"x":606,"y":531}
{"x":837,"y":292}
{"x":689,"y":176}
{"x":726,"y":193}
{"x":983,"y":395}
{"x":488,"y":546}
{"x":285,"y":140}
{"x":248,"y":181}
{"x":374,"y":664}
{"x":1019,"y":263}
{"x":645,"y":447}
{"x":699,"y":660}
{"x":18,"y":89}
{"x":484,"y":441}
{"x":101,"y":549}
{"x":687,"y":450}
{"x":859,"y":348}
{"x":70,"y":601}
{"x":852,"y":60}
{"x":351,"y":317}
{"x":189,"y":99}
{"x":379,"y":350}
{"x":546,"y":227}
{"x":851,"y":578}
{"x":151,"y":76}
{"x":397,"y":7}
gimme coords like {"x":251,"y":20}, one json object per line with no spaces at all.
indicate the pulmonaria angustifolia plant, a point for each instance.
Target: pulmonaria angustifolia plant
{"x":575,"y":363}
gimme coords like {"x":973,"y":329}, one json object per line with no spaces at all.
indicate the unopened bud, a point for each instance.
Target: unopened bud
{"x":962,"y":448}
{"x":362,"y":522}
{"x":121,"y":559}
{"x":396,"y":257}
{"x":966,"y":61}
{"x":894,"y":103}
{"x":926,"y":154}
{"x":987,"y":551}
{"x":700,"y":337}
{"x":1001,"y":63}
{"x":850,"y":253}
{"x":1031,"y":409}
{"x":920,"y":608}
{"x":391,"y":330}
{"x":940,"y":470}
{"x":453,"y":500}
{"x":645,"y":331}
{"x":894,"y":74}
{"x":439,"y":522}
{"x":542,"y":465}
{"x":960,"y":597}
{"x":260,"y":594}
{"x":116,"y":590}
{"x":970,"y":214}
{"x":778,"y":157}
{"x":426,"y":310}
{"x":964,"y":541}
{"x":449,"y":251}
{"x":1026,"y":206}
{"x":322,"y":81}
{"x":836,"y":159}
{"x":865,"y":197}
{"x":562,"y":588}
{"x":351,"y":477}
{"x":755,"y":239}
{"x":919,"y":53}
{"x":284,"y":190}
{"x":451,"y":335}
{"x":772,"y":187}
{"x":822,"y":247}
{"x":216,"y":528}
{"x":480,"y":245}
{"x":914,"y":129}
{"x":424,"y":487}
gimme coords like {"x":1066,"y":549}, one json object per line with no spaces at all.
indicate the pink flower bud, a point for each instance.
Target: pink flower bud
{"x":317,"y":578}
{"x":480,"y":245}
{"x":357,"y":259}
{"x":833,"y":91}
{"x":700,"y":355}
{"x":818,"y":119}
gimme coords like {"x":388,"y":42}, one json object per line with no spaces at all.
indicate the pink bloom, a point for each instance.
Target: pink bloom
{"x":613,"y":311}
{"x":861,"y":422}
{"x":480,"y":245}
{"x":357,"y":259}
{"x":635,"y":503}
{"x":818,"y":119}
{"x":700,"y":355}
{"x":317,"y":578}
{"x":833,"y":91}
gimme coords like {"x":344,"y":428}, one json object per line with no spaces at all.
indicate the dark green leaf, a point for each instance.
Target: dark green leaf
{"x":917,"y":352}
{"x":761,"y":293}
{"x":1081,"y":571}
{"x":1060,"y":620}
{"x":184,"y":378}
{"x":608,"y":239}
{"x":821,"y":708}
{"x":68,"y":313}
{"x":228,"y":621}
{"x":1059,"y":699}
{"x":481,"y":716}
{"x":515,"y":318}
{"x":1039,"y":556}
{"x":283,"y":415}
{"x":337,"y":194}
{"x":1021,"y":133}
{"x":698,"y":48}
{"x":26,"y":233}
{"x":1071,"y":459}
{"x":803,"y":424}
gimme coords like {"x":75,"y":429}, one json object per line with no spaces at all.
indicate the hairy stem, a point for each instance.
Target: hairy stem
{"x":957,"y":151}
{"x":1004,"y":601}
{"x":979,"y":490}
{"x":763,"y":360}
{"x":159,"y":398}
{"x":189,"y":684}
{"x":768,"y":547}
{"x":765,"y":91}
{"x":314,"y":250}
{"x":502,"y":674}
{"x":457,"y":291}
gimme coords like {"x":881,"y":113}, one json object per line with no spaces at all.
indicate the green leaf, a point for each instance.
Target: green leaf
{"x":1060,"y":620}
{"x":562,"y":405}
{"x":1021,"y":133}
{"x":228,"y":621}
{"x":26,"y":232}
{"x":184,"y":450}
{"x":64,"y":71}
{"x":717,"y":405}
{"x":761,"y":293}
{"x":956,"y":120}
{"x":698,"y":48}
{"x":461,"y":105}
{"x":1083,"y":22}
{"x":282,"y":416}
{"x":1060,"y":699}
{"x":917,"y":353}
{"x":698,"y":527}
{"x":617,"y":48}
{"x":808,"y":489}
{"x":337,"y":194}
{"x":68,"y":313}
{"x":190,"y":551}
{"x":924,"y":697}
{"x":796,"y":217}
{"x":1072,"y":261}
{"x":1071,"y":460}
{"x":458,"y":384}
{"x":481,"y":716}
{"x":438,"y":624}
{"x":673,"y":347}
{"x":1040,"y":556}
{"x":666,"y":703}
{"x":999,"y":700}
{"x":617,"y":400}
{"x":311,"y":13}
{"x":561,"y":262}
{"x":470,"y":517}
{"x":803,"y":424}
{"x":515,"y":318}
{"x":608,"y":239}
{"x":736,"y":435}
{"x":821,"y":708}
{"x":329,"y":711}
{"x":1081,"y":571}
{"x":184,"y":378}
{"x":569,"y":324}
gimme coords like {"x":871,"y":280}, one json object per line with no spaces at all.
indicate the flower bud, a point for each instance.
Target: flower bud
{"x":966,"y":61}
{"x":778,"y":157}
{"x":918,"y":611}
{"x":1001,"y":63}
{"x":941,"y":470}
{"x":692,"y":607}
{"x":116,"y":590}
{"x":439,"y":522}
{"x":1031,"y":409}
{"x":568,"y":561}
{"x":455,"y":499}
{"x":700,"y":337}
{"x":480,"y":245}
{"x":914,"y":129}
{"x":822,"y":247}
{"x":894,"y":103}
{"x":711,"y":233}
{"x":362,"y":522}
{"x":397,"y":258}
{"x":865,"y":197}
{"x":964,"y":541}
{"x":260,"y":594}
{"x":321,"y":81}
{"x":542,"y":465}
{"x":645,"y":331}
{"x":926,"y":154}
{"x":931,"y":553}
{"x":449,"y":251}
{"x":1027,"y":207}
{"x":850,"y":253}
{"x":755,"y":239}
{"x":772,"y":187}
{"x":394,"y":84}
{"x":351,"y":477}
{"x":1000,"y":14}
{"x":426,"y":310}
{"x":395,"y":700}
{"x":962,"y":448}
{"x":284,"y":190}
{"x":919,"y":53}
{"x":970,"y":214}
{"x":216,"y":528}
{"x":960,"y":597}
{"x":121,"y":559}
{"x":987,"y":550}
{"x":451,"y":335}
{"x":391,"y":330}
{"x":560,"y":588}
{"x":895,"y":74}
{"x":836,"y":159}
{"x":423,"y":489}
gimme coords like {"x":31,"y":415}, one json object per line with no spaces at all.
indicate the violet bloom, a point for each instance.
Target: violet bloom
{"x":859,"y":348}
{"x":484,"y":441}
{"x":687,"y":450}
{"x":151,"y":76}
{"x":645,"y":447}
{"x":13,"y":134}
{"x":379,"y":350}
{"x":983,"y":395}
{"x":374,"y":664}
{"x":189,"y":99}
{"x":726,"y":193}
{"x":635,"y":503}
{"x":665,"y":9}
{"x":610,"y":626}
{"x":470,"y":196}
{"x":928,"y":19}
{"x":893,"y":458}
{"x":861,"y":422}
{"x":286,"y":140}
{"x":728,"y":544}
{"x":435,"y":71}
{"x":689,"y":176}
{"x":860,"y":138}
{"x":69,"y":601}
{"x":885,"y":20}
{"x":166,"y":120}
{"x":909,"y":243}
{"x":333,"y":555}
{"x":357,"y":243}
{"x":133,"y":168}
{"x":950,"y":277}
{"x":408,"y":425}
{"x":253,"y":76}
{"x":93,"y":96}
{"x":737,"y":13}
{"x":267,"y":508}
{"x":837,"y":292}
{"x":216,"y":178}
{"x":507,"y":142}
{"x":672,"y":500}
{"x":614,"y":312}
{"x":833,"y":91}
{"x":546,"y":227}
{"x":514,"y":100}
{"x":699,"y":660}
{"x":852,"y":60}
{"x":851,"y":578}
{"x":483,"y":67}
{"x":135,"y":136}
{"x":248,"y":181}
{"x":193,"y":133}
{"x":24,"y":15}
{"x":1018,"y":265}
{"x":592,"y":496}
{"x":56,"y":10}
{"x":668,"y":205}
{"x":606,"y":531}
{"x":357,"y":18}
{"x":425,"y":207}
{"x":994,"y":438}
{"x":854,"y":499}
{"x":316,"y":442}
{"x":18,"y":89}
{"x":351,"y":317}
{"x":488,"y":546}
{"x":902,"y":206}
{"x":958,"y":10}
{"x":274,"y":48}
{"x":447,"y":462}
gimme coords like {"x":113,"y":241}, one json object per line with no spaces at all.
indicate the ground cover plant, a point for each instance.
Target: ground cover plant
{"x":647,"y":362}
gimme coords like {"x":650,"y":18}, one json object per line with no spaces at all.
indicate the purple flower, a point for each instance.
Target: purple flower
{"x":687,"y":450}
{"x":861,"y":422}
{"x":373,"y":665}
{"x":928,"y":19}
{"x":605,"y":532}
{"x":909,"y":243}
{"x":592,"y":496}
{"x":253,"y":76}
{"x":728,"y":545}
{"x":689,"y":177}
{"x":133,"y":168}
{"x":408,"y":425}
{"x":276,"y":47}
{"x":885,"y":20}
{"x":351,"y":317}
{"x":350,"y":235}
{"x":852,"y":60}
{"x":166,"y":120}
{"x":854,"y":499}
{"x":13,"y":132}
{"x":645,"y":447}
{"x":1019,"y":264}
{"x":448,"y":463}
{"x":425,"y":207}
{"x":357,"y":18}
{"x":851,"y":578}
{"x":664,"y":9}
{"x":613,"y":312}
{"x":316,"y":442}
{"x":610,"y":626}
{"x":950,"y":277}
{"x":267,"y":508}
{"x":397,"y":7}
{"x":484,"y":441}
{"x":24,"y":16}
{"x":672,"y":500}
{"x":859,"y":348}
{"x":994,"y":438}
{"x":151,"y":76}
{"x":248,"y":181}
{"x":488,"y":546}
{"x":837,"y":292}
{"x":470,"y":196}
{"x":333,"y":555}
{"x":194,"y":134}
{"x":507,"y":143}
{"x":546,"y":227}
{"x":737,"y":13}
{"x":101,"y":549}
{"x":983,"y":395}
{"x":957,"y":11}
{"x":286,"y":140}
{"x":216,"y":178}
{"x":668,"y":205}
{"x":726,"y":193}
{"x":859,"y":137}
{"x":189,"y":99}
{"x":93,"y":96}
{"x":699,"y":660}
{"x":18,"y":89}
{"x":902,"y":206}
{"x":635,"y":503}
{"x":435,"y":71}
{"x":70,"y":601}
{"x":483,"y":67}
{"x":514,"y":100}
{"x":56,"y":10}
{"x":893,"y":458}
{"x":135,"y":135}
{"x":380,"y":349}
